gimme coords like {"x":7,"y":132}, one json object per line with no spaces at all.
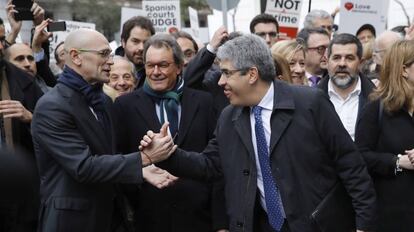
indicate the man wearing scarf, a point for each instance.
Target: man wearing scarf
{"x":72,"y":136}
{"x":187,"y":205}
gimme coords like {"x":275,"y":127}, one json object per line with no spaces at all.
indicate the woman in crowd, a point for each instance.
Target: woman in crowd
{"x":385,"y":136}
{"x":294,"y":53}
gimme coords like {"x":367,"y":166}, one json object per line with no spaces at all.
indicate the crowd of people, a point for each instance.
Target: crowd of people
{"x":245,"y":133}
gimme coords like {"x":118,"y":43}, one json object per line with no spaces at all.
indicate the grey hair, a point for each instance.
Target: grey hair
{"x":248,"y":51}
{"x":164,"y":40}
{"x":133,"y":69}
{"x":315,"y":14}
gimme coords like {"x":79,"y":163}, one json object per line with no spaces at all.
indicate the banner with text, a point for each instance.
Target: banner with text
{"x":165,"y":15}
{"x":355,"y":13}
{"x":287,"y":14}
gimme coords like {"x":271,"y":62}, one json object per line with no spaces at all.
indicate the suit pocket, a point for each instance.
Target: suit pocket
{"x":73,"y":214}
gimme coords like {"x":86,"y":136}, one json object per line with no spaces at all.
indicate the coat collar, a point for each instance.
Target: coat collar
{"x":283,"y":105}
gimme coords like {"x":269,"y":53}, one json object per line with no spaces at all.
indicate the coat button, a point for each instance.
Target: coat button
{"x":246,"y":172}
{"x":239,"y":224}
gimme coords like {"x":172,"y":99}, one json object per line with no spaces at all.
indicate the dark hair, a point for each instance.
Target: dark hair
{"x":368,"y":27}
{"x":263,"y":18}
{"x":164,"y":40}
{"x":55,"y":52}
{"x":304,"y":34}
{"x":344,"y":39}
{"x":1,"y":21}
{"x":183,"y":34}
{"x":136,"y":21}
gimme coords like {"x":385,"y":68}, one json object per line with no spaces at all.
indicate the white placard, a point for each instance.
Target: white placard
{"x":287,"y":14}
{"x":355,"y":13}
{"x":165,"y":15}
{"x":127,"y":13}
{"x":195,"y":27}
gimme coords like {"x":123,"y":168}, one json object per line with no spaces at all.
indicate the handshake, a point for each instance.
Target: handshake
{"x":156,"y":147}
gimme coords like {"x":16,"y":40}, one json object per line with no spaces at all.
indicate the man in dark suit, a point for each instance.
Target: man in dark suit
{"x":348,"y":89}
{"x":281,"y":150}
{"x":72,"y":136}
{"x":188,"y":205}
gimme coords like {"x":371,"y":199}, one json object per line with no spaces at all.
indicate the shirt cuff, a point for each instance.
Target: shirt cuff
{"x":211,"y":49}
{"x":39,"y":55}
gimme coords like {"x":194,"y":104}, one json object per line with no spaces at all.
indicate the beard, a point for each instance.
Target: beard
{"x":345,"y":81}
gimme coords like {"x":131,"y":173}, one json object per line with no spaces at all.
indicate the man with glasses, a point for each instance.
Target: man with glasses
{"x":384,"y":41}
{"x":267,"y":27}
{"x":315,"y":42}
{"x":319,"y":19}
{"x":184,"y":207}
{"x":72,"y":136}
{"x":281,"y":149}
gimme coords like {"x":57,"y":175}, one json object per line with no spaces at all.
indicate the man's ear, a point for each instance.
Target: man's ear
{"x":123,"y":43}
{"x":74,"y":57}
{"x":253,"y":75}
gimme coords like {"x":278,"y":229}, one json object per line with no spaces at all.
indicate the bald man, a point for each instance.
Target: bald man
{"x":72,"y":137}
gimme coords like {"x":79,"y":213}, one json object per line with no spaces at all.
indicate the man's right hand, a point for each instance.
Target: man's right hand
{"x":157,"y":147}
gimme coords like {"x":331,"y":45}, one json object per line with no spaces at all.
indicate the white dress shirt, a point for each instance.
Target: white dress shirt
{"x":267,"y":107}
{"x":347,"y":108}
{"x":158,"y":111}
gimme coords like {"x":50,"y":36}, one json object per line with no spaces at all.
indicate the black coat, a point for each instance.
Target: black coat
{"x":77,"y":166}
{"x":188,"y":205}
{"x":310,"y":152}
{"x":380,"y":137}
{"x":366,"y":89}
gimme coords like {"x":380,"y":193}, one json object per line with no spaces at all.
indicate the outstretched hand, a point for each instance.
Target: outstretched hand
{"x":158,"y":177}
{"x":157,"y":146}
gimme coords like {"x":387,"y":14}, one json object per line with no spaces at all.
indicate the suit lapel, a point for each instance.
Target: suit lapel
{"x":89,"y":121}
{"x":146,"y":108}
{"x":189,"y":108}
{"x":283,"y":106}
{"x":241,"y":120}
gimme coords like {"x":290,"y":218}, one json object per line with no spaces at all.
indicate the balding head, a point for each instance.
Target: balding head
{"x":384,"y":41}
{"x":21,"y":55}
{"x":88,"y":54}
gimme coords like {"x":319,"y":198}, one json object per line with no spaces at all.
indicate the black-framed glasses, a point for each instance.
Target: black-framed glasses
{"x":271,"y":34}
{"x":320,"y":49}
{"x":228,"y":73}
{"x":104,"y":53}
{"x":162,"y":66}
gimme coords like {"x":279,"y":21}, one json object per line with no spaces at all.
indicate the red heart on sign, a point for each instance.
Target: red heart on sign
{"x":349,"y":6}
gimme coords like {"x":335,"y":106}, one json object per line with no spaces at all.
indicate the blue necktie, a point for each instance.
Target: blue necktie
{"x":272,"y":197}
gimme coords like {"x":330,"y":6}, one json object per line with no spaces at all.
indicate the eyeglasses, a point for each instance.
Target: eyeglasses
{"x":272,"y":34}
{"x":162,"y":66}
{"x":228,"y":73}
{"x":320,"y":49}
{"x":105,"y":53}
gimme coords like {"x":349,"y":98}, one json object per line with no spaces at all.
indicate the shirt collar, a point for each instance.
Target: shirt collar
{"x":356,"y":91}
{"x":267,"y":100}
